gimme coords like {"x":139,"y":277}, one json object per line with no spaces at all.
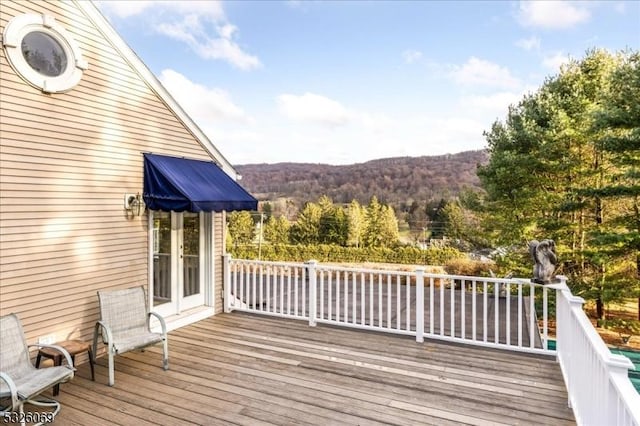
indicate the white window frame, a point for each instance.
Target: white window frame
{"x":14,"y":33}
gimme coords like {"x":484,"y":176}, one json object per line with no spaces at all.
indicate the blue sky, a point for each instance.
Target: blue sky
{"x":344,"y":82}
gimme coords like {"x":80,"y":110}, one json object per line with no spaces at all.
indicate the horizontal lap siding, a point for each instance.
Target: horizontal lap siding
{"x":218,"y":251}
{"x":66,"y":161}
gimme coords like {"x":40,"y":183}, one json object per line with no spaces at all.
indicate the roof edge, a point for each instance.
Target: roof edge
{"x":103,"y":25}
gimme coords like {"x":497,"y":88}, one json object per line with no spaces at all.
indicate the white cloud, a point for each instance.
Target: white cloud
{"x":480,"y":72}
{"x":314,"y":108}
{"x":496,"y":102}
{"x":556,"y":14}
{"x":555,"y":60}
{"x":200,"y":24}
{"x":203,"y":104}
{"x":410,"y":56}
{"x":531,"y":43}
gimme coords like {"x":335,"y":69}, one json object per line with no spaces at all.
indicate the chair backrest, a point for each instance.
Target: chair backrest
{"x":124,"y":311}
{"x":14,"y":353}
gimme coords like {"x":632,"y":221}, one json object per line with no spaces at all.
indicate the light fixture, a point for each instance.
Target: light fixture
{"x":134,"y":204}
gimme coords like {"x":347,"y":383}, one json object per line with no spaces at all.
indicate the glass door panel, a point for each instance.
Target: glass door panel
{"x":162,"y":292}
{"x":191,"y":255}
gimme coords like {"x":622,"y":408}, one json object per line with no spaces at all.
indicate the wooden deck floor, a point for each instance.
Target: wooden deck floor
{"x":243,"y":369}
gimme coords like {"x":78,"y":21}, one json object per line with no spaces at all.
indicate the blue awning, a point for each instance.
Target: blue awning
{"x":179,"y":184}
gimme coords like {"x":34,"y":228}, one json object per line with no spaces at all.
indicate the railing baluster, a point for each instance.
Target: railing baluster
{"x":442,"y":285}
{"x":520,"y":314}
{"x":419,"y":305}
{"x":253,"y":286}
{"x":408,"y":301}
{"x":234,"y":278}
{"x":389,"y":300}
{"x":532,"y":316}
{"x":508,"y":312}
{"x":398,"y":296}
{"x":330,"y":295}
{"x":296,"y":287}
{"x":463,"y":307}
{"x":545,"y":319}
{"x":338,"y":296}
{"x":380,"y":300}
{"x":346,"y":297}
{"x":484,"y":311}
{"x":496,"y":312}
{"x":282,"y":288}
{"x":371,"y":317}
{"x":321,"y":273}
{"x":354,"y":296}
{"x":267,"y":284}
{"x":289,"y":291}
{"x":242,"y":276}
{"x":260,"y":287}
{"x":474,"y":316}
{"x":362,"y":299}
{"x":304,"y":291}
{"x":452,"y":314}
{"x":431,"y":303}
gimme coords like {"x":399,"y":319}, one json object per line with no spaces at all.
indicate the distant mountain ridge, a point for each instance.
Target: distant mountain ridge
{"x":396,"y":181}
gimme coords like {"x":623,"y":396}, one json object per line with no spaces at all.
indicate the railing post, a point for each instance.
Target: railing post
{"x":226,"y":283}
{"x":420,"y":305}
{"x":311,"y":270}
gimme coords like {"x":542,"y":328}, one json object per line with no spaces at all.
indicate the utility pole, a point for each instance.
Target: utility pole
{"x":260,"y":237}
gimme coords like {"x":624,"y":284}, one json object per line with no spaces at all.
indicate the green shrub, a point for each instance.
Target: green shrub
{"x":335,"y":253}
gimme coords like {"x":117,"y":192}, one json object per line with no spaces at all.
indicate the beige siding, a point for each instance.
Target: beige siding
{"x":66,"y":161}
{"x":218,"y":251}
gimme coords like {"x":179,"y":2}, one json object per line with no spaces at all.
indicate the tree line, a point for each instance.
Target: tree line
{"x":321,"y":222}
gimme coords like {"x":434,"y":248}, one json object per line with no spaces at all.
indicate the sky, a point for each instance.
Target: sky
{"x":343,"y":82}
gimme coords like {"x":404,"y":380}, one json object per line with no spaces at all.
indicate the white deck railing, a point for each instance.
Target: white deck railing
{"x":597,"y":381}
{"x":509,"y":314}
{"x":485,"y":311}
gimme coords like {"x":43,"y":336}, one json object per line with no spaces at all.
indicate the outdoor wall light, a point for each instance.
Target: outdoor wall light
{"x":134,"y":204}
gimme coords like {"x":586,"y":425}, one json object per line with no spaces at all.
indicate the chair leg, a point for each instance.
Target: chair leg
{"x":165,"y":357}
{"x":111,"y":368}
{"x":91,"y":362}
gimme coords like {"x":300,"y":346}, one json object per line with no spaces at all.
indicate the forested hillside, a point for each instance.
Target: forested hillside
{"x":396,"y":181}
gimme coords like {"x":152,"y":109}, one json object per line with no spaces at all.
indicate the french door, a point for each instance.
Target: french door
{"x":178,"y":269}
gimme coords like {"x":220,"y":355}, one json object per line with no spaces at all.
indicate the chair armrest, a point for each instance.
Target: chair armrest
{"x":60,"y":349}
{"x":163,"y":325}
{"x":109,"y":339}
{"x":12,"y":388}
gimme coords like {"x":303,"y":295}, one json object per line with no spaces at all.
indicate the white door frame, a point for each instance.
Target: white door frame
{"x":179,"y":303}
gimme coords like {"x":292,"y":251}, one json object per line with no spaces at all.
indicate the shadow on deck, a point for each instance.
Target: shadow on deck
{"x":244,"y":369}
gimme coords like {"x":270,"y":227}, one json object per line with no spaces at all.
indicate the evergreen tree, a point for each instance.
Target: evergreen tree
{"x":306,"y":230}
{"x":356,"y":222}
{"x":241,"y":227}
{"x":276,"y":230}
{"x":381,"y":228}
{"x":550,"y":170}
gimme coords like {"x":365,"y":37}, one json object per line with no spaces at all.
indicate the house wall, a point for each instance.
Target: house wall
{"x":66,"y":161}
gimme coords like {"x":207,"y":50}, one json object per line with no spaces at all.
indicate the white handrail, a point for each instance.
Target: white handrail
{"x":597,"y":381}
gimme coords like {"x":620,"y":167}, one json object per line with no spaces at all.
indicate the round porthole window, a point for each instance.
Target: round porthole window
{"x":42,"y":52}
